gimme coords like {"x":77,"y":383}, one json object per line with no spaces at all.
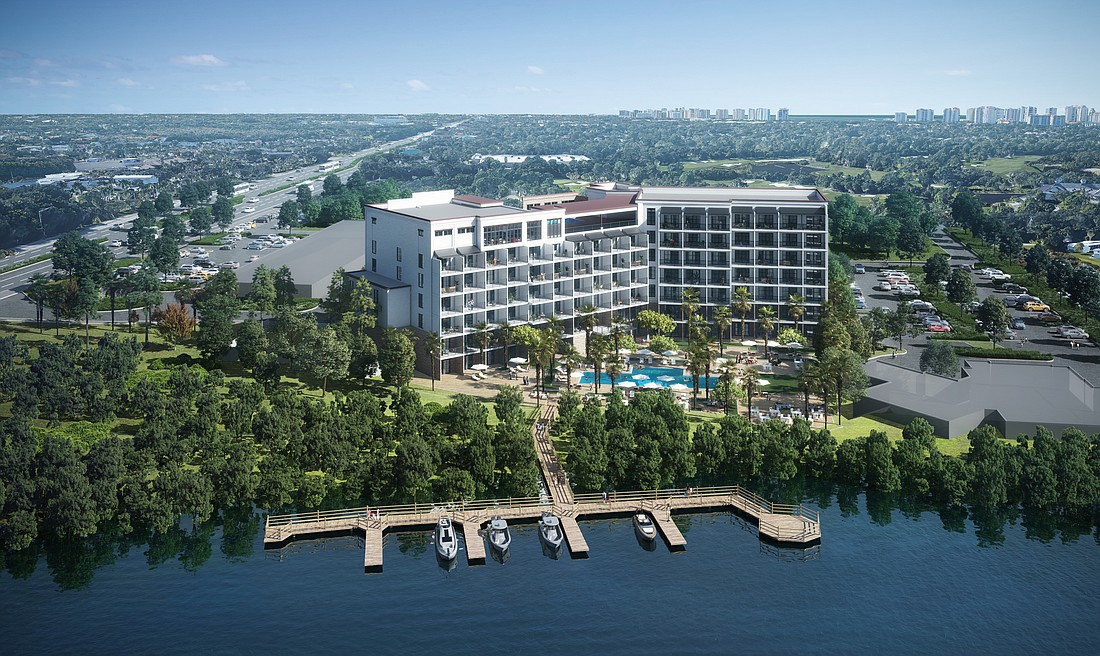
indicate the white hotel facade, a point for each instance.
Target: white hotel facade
{"x":449,"y":264}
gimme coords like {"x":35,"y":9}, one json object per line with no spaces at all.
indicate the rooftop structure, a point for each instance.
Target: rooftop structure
{"x":1014,"y":396}
{"x":312,"y":260}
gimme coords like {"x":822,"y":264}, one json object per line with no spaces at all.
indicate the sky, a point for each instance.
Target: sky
{"x":562,"y":57}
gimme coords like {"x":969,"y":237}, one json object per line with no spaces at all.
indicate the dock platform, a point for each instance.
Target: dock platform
{"x":475,"y":545}
{"x":578,"y":546}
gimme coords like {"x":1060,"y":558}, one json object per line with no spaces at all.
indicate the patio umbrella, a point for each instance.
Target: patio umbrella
{"x":763,"y":382}
{"x":669,"y":353}
{"x":628,"y":384}
{"x":577,"y":374}
{"x":518,"y":361}
{"x":679,"y":387}
{"x":646,"y":352}
{"x":666,"y":379}
{"x":479,"y":367}
{"x":748,"y":342}
{"x":640,"y":377}
{"x":773,"y":344}
{"x":653,"y":385}
{"x":794,"y":345}
{"x":625,"y":351}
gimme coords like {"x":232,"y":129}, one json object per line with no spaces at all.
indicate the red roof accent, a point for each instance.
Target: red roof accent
{"x":586,"y":206}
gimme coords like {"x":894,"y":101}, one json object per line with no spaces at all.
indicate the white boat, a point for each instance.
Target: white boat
{"x":550,"y":531}
{"x":446,"y":542}
{"x":644,"y":526}
{"x":499,"y":536}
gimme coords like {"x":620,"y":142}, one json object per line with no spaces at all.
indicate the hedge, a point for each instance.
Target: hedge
{"x":1001,"y":353}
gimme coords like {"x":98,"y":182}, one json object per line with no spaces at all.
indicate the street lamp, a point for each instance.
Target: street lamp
{"x":40,"y":229}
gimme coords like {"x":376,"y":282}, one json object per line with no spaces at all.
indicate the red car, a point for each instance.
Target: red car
{"x":939,"y":328}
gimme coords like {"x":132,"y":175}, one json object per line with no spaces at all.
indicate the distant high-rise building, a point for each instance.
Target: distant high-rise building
{"x":1053,"y":111}
{"x":925,"y":115}
{"x":901,"y":117}
{"x":1040,"y":119}
{"x":1012,"y":115}
{"x":951,"y":115}
{"x":722,"y":114}
{"x":739,"y":115}
{"x":1058,"y":119}
{"x":784,"y":114}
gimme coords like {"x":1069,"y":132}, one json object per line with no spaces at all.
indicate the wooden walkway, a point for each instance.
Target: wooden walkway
{"x":781,"y":524}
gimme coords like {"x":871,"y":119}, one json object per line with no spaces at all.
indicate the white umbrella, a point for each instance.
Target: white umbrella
{"x":578,"y":374}
{"x":793,"y":345}
{"x":666,"y":379}
{"x":773,"y":344}
{"x":628,"y":384}
{"x":645,"y":352}
{"x":763,"y":382}
{"x":653,"y":385}
{"x":670,"y":353}
{"x":625,"y":351}
{"x":679,"y":387}
{"x":518,"y":361}
{"x":479,"y":367}
{"x":640,"y":377}
{"x":748,"y":342}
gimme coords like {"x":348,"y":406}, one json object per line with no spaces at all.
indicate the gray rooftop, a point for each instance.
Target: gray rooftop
{"x":1022,"y":393}
{"x":730,"y":195}
{"x":313,"y":259}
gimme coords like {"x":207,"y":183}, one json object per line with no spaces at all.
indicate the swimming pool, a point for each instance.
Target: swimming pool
{"x":670,"y":375}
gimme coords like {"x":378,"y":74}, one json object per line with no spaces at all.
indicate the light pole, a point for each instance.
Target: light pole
{"x":40,"y":229}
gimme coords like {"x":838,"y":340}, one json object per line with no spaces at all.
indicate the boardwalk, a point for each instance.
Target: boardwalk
{"x":781,"y":524}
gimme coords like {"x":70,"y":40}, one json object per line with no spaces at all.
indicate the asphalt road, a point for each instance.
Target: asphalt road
{"x":1085,"y":359}
{"x":14,"y":306}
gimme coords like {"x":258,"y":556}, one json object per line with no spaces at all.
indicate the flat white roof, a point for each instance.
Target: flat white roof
{"x":729,"y":195}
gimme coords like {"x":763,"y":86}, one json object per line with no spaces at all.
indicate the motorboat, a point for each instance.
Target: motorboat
{"x":644,"y":526}
{"x":446,"y":542}
{"x":499,"y":536}
{"x":550,"y":531}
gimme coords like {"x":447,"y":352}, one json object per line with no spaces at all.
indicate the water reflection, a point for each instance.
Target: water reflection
{"x":648,"y":545}
{"x":446,"y":564}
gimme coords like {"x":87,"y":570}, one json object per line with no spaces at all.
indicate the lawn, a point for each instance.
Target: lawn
{"x":1006,"y":165}
{"x":862,"y":426}
{"x":742,"y":165}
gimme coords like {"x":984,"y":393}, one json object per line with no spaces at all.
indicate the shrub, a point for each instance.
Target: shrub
{"x":1003,"y":354}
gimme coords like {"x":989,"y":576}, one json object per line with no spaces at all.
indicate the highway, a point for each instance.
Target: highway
{"x":12,"y":283}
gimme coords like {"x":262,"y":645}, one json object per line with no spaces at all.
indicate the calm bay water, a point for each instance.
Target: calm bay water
{"x":908,"y":586}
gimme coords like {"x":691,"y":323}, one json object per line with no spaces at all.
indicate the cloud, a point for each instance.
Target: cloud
{"x":958,"y":72}
{"x":239,"y":85}
{"x":42,"y":62}
{"x":526,"y":89}
{"x":198,"y":60}
{"x":417,"y":85}
{"x":29,"y":81}
{"x":119,"y":109}
{"x":65,"y":83}
{"x":347,"y":86}
{"x":535,"y":70}
{"x":127,"y":82}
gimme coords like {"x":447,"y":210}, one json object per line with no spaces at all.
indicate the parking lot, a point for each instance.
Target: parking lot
{"x":1085,"y":358}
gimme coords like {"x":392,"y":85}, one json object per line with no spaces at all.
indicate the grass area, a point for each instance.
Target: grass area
{"x":1005,"y":165}
{"x":852,"y":428}
{"x":743,"y":165}
{"x":571,"y":185}
{"x":863,"y":254}
{"x":1087,"y":259}
{"x":280,"y":188}
{"x":209,"y":240}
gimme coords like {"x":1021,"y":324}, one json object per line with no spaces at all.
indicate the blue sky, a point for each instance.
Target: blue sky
{"x":458,"y":56}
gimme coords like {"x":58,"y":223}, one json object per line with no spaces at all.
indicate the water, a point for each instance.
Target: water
{"x":907,"y":586}
{"x":672,"y":375}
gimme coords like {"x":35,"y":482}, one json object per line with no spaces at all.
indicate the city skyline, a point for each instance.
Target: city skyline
{"x":493,"y":57}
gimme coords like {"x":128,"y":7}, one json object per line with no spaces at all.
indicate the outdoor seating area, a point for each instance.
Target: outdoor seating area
{"x":786,"y":413}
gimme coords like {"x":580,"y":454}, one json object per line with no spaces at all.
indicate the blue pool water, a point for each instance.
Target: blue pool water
{"x":884,"y":581}
{"x":653,"y":373}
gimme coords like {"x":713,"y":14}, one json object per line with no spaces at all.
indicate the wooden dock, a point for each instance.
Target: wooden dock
{"x":779,"y":524}
{"x":475,"y":545}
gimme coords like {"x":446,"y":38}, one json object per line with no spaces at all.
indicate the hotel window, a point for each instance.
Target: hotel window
{"x":420,"y":232}
{"x":374,"y":265}
{"x":466,"y":231}
{"x":443,"y":233}
{"x":504,"y":234}
{"x":420,"y":321}
{"x":553,"y":228}
{"x":420,"y":260}
{"x":651,"y":217}
{"x":399,"y":273}
{"x":420,"y":300}
{"x":534,"y":230}
{"x":374,"y":220}
{"x":420,"y":280}
{"x":373,"y":247}
{"x":398,"y":253}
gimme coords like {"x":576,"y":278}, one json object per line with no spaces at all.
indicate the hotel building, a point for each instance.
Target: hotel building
{"x":461,"y":265}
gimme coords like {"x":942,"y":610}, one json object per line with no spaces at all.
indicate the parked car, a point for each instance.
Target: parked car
{"x":1018,"y":323}
{"x":249,"y":210}
{"x":1049,"y":317}
{"x":226,"y":247}
{"x":1025,"y":298}
{"x":971,"y":307}
{"x":1013,"y":288}
{"x":861,"y":304}
{"x":229,"y":265}
{"x":909,"y":290}
{"x":1000,"y":276}
{"x":1010,"y":334}
{"x":1075,"y":333}
{"x":939,"y":328}
{"x":1036,"y":306}
{"x":255,"y":246}
{"x":115,"y":243}
{"x":861,"y":269}
{"x":884,"y":286}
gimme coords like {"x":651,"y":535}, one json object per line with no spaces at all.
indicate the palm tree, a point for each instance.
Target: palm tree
{"x":796,"y":308}
{"x":728,"y":379}
{"x":37,"y":292}
{"x":698,"y":362}
{"x":750,"y":380}
{"x":541,"y":354}
{"x":482,"y":336}
{"x":597,"y":351}
{"x":689,"y":304}
{"x":766,"y":319}
{"x":742,"y":305}
{"x":433,"y":348}
{"x":504,"y":336}
{"x":589,"y":321}
{"x":613,"y":366}
{"x":723,"y":319}
{"x":572,"y":359}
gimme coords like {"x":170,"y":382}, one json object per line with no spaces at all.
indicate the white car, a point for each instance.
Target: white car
{"x":116,"y":243}
{"x":254,"y":246}
{"x":229,"y":265}
{"x":249,"y":210}
{"x":253,"y":200}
